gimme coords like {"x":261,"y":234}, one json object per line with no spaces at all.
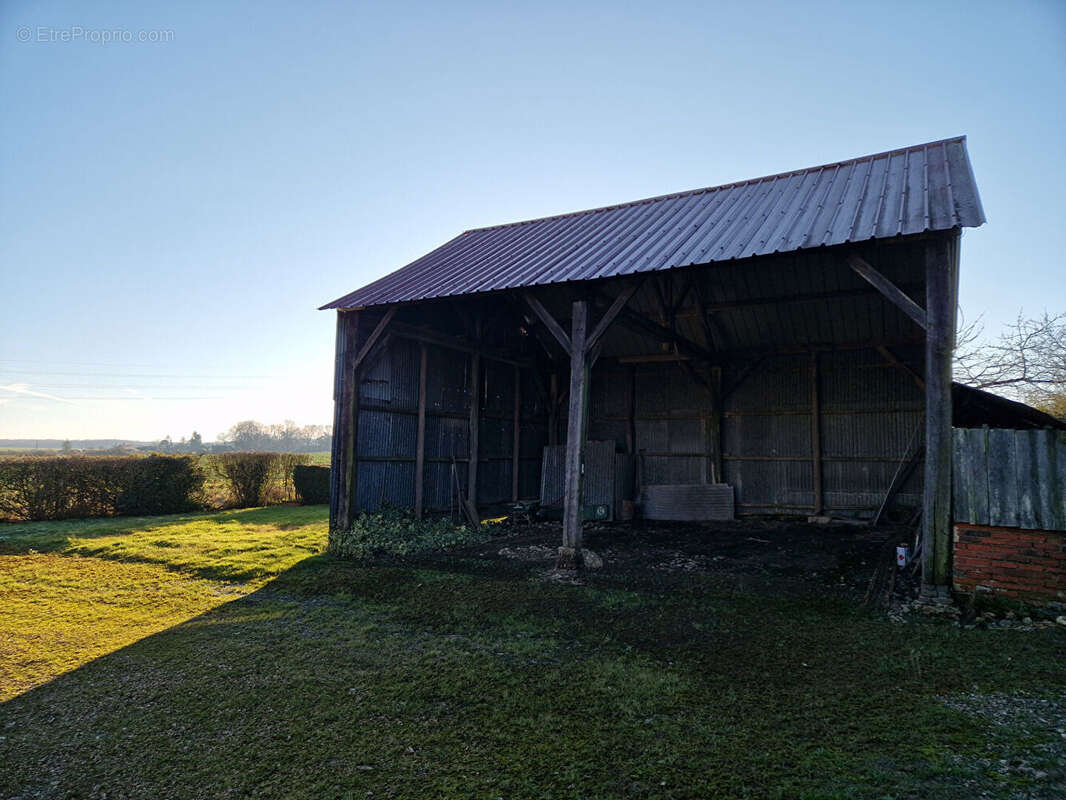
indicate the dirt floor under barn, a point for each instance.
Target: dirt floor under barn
{"x":785,"y":556}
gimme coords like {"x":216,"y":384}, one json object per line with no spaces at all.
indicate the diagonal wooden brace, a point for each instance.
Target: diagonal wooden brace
{"x":888,"y":289}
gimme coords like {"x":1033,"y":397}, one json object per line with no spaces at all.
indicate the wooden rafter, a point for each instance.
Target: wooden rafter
{"x":890,"y":357}
{"x":888,"y":289}
{"x":611,"y":313}
{"x":647,"y":327}
{"x":545,"y":316}
{"x":372,"y":339}
{"x":419,"y":334}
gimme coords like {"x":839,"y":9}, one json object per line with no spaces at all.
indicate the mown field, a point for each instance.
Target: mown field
{"x":222,"y":655}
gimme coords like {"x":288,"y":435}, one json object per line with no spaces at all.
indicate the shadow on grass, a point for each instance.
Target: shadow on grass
{"x":56,"y":536}
{"x":468,"y":678}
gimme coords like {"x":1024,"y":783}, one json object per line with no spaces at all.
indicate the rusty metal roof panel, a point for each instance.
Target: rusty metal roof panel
{"x":927,"y":187}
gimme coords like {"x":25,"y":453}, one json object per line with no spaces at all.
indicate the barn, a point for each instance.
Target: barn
{"x":781,"y":345}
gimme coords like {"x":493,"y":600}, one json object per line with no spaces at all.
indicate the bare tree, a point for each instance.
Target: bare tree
{"x":280,"y":438}
{"x":1027,"y":361}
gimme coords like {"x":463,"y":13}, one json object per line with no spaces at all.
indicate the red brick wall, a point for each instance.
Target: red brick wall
{"x":1023,"y":564}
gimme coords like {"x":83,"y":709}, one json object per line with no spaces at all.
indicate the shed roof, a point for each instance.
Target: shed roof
{"x":925,"y":187}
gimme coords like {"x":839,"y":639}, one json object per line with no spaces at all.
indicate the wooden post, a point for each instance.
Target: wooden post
{"x":570,"y":556}
{"x":631,"y":409}
{"x":336,"y":449}
{"x":345,"y":423}
{"x":516,"y":445}
{"x":816,"y":438}
{"x":936,"y":507}
{"x":553,"y":411}
{"x":716,"y":424}
{"x":475,"y":424}
{"x":420,"y":442}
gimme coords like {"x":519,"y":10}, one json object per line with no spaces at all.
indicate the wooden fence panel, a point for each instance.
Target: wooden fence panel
{"x":1010,"y":478}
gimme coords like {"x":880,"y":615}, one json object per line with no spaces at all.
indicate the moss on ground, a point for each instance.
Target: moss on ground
{"x":217,"y":655}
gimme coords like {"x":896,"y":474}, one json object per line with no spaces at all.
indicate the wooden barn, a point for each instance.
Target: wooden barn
{"x":780,"y":345}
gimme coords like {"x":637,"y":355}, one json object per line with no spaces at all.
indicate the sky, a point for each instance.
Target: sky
{"x":174,"y":210}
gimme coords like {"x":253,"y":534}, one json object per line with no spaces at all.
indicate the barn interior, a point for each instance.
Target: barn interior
{"x":808,"y":380}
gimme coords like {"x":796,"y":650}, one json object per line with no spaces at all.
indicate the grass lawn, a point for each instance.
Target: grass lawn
{"x":220,"y":655}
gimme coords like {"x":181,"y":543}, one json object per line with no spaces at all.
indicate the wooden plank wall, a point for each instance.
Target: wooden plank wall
{"x":1008,"y":478}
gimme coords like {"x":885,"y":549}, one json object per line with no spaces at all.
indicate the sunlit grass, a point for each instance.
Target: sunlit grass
{"x":73,"y":591}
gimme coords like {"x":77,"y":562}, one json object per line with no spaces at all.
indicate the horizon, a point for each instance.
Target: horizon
{"x":173,"y":212}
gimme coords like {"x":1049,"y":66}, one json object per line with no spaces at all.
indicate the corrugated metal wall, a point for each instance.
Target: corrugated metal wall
{"x":388,"y":429}
{"x":870,"y":417}
{"x":870,"y":413}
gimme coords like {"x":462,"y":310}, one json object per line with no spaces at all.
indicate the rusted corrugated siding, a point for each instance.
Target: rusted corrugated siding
{"x":927,"y":187}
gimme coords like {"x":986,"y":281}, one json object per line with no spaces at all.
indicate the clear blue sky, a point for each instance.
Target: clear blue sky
{"x":172,"y":213}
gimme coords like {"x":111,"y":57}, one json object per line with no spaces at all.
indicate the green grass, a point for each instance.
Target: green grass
{"x":218,"y":655}
{"x":72,"y":591}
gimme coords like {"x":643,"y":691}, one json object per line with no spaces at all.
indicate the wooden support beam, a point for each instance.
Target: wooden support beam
{"x":890,"y":357}
{"x":570,"y":556}
{"x":904,"y":472}
{"x":545,"y":317}
{"x":475,"y":425}
{"x":345,"y":423}
{"x":707,"y":307}
{"x":416,"y":333}
{"x":716,"y":425}
{"x":516,"y":442}
{"x":609,"y":315}
{"x":553,"y":410}
{"x":653,"y":358}
{"x":650,"y":328}
{"x":748,"y":353}
{"x":936,"y":502}
{"x":745,"y":373}
{"x":697,"y":378}
{"x":888,"y":289}
{"x":420,"y":442}
{"x":816,"y":439}
{"x":593,"y":355}
{"x":372,"y":339}
{"x":712,"y":330}
{"x":631,"y":410}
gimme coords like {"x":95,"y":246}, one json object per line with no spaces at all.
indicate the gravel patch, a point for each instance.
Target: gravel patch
{"x":1027,"y":743}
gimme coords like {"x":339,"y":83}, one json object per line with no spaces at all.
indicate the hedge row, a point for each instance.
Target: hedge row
{"x":311,"y":484}
{"x":67,"y":487}
{"x":64,"y":487}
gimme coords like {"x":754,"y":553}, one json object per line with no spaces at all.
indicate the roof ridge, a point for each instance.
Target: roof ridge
{"x":720,"y":187}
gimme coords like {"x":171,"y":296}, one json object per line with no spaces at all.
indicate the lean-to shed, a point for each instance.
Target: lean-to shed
{"x":788,"y":336}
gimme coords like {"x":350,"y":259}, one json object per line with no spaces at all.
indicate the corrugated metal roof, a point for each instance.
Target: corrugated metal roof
{"x":927,"y":187}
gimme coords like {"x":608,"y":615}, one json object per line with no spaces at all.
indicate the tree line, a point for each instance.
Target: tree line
{"x":250,"y":435}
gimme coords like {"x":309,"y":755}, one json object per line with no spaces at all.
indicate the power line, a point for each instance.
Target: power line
{"x":130,"y":398}
{"x":131,"y":374}
{"x":133,"y":386}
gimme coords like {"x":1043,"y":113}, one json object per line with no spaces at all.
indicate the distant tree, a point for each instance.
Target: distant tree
{"x":66,"y":446}
{"x":246,"y":435}
{"x":286,"y":437}
{"x":166,"y":444}
{"x":196,"y":443}
{"x":1027,"y":361}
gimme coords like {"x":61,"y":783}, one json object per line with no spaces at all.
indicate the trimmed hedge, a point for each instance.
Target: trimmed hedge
{"x":283,"y":480}
{"x":65,"y":487}
{"x":311,"y":484}
{"x":160,"y":485}
{"x":246,"y":475}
